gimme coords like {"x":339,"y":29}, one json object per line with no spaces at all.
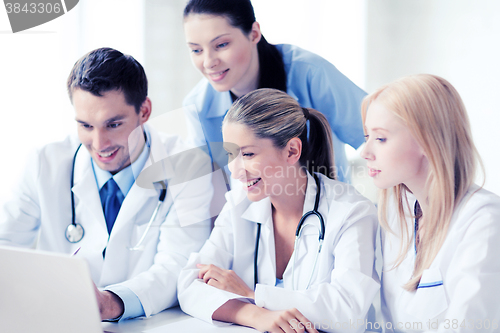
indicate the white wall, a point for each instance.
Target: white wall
{"x":167,"y":63}
{"x":34,"y":102}
{"x":35,"y":64}
{"x":334,"y":29}
{"x":456,"y":39}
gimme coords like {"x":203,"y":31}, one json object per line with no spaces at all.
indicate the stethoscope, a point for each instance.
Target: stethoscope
{"x":297,"y":236}
{"x":75,"y":232}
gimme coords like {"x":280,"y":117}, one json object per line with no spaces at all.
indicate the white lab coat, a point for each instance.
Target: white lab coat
{"x":468,"y":265}
{"x":344,"y":283}
{"x":41,"y":207}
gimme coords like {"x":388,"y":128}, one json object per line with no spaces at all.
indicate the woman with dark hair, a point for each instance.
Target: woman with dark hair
{"x":229,"y":50}
{"x":293,"y":249}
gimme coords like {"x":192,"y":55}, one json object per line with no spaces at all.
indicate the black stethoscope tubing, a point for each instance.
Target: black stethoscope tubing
{"x":73,"y":216}
{"x":75,"y":232}
{"x":297,"y":231}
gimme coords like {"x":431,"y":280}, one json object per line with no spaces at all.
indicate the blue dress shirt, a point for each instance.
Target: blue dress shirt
{"x":125,"y":179}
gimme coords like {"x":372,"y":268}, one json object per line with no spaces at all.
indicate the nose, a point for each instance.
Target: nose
{"x":211,"y":60}
{"x":237,"y":168}
{"x":366,"y":152}
{"x":100,"y":140}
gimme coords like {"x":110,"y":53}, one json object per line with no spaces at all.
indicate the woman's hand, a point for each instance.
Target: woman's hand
{"x":288,"y":321}
{"x":247,"y":314}
{"x":224,"y":279}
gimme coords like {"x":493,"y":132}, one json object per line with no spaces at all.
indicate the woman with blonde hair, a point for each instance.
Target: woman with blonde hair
{"x":292,"y":249}
{"x":441,"y":232}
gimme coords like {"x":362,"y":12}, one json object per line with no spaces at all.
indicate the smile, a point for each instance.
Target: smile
{"x":219,"y":75}
{"x":106,"y":156}
{"x":251,"y":183}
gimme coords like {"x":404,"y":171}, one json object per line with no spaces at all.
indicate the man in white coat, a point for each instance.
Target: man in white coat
{"x":93,"y":198}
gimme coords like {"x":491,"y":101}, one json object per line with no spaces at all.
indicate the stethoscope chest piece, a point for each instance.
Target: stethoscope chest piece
{"x":74,"y":233}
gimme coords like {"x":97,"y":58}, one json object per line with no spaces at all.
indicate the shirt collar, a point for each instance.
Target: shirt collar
{"x":124,"y":178}
{"x":220,"y":104}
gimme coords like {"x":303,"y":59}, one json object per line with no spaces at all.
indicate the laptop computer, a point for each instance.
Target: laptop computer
{"x":46,"y":292}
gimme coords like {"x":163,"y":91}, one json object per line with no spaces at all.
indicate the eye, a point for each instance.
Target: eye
{"x":196,"y":51}
{"x":381,"y":139}
{"x":248,"y":154}
{"x":366,"y":137}
{"x":221,"y":45}
{"x":86,"y":126}
{"x":114,"y":125}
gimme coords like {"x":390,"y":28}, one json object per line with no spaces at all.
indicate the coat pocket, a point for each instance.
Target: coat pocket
{"x":430,"y":298}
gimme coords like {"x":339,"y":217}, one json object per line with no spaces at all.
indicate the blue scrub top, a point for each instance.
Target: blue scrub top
{"x":311,"y":80}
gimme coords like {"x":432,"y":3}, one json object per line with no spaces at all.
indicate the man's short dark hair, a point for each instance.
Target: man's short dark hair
{"x":107,"y":69}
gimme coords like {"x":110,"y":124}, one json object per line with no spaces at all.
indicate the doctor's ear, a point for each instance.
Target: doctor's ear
{"x":293,"y":150}
{"x":255,"y":34}
{"x":145,"y":110}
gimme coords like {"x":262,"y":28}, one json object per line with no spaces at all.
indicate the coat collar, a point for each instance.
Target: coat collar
{"x":311,"y":191}
{"x":158,"y":166}
{"x":139,"y":195}
{"x":259,"y":212}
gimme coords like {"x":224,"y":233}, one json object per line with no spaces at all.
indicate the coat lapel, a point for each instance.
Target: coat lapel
{"x":86,"y":192}
{"x":134,"y":208}
{"x":261,"y":212}
{"x":88,"y":212}
{"x":137,"y":209}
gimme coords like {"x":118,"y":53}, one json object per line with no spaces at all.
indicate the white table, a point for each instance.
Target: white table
{"x":141,"y":324}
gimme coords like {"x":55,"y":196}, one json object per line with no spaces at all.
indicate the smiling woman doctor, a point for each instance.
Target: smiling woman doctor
{"x":227,"y":47}
{"x":253,"y":270}
{"x":441,"y":241}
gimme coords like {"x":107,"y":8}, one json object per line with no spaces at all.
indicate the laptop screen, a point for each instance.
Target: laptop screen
{"x":46,"y":292}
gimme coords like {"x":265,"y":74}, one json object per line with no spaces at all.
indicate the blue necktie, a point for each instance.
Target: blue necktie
{"x":111,"y":202}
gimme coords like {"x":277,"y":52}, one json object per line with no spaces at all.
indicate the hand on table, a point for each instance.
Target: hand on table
{"x":288,"y":321}
{"x":224,"y":279}
{"x":264,"y":320}
{"x":110,"y":305}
